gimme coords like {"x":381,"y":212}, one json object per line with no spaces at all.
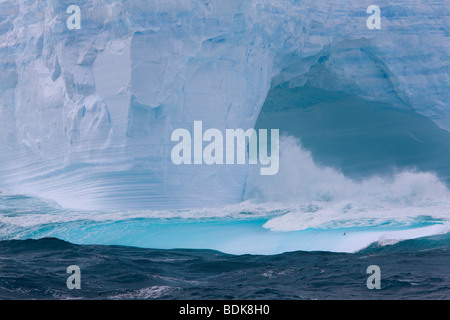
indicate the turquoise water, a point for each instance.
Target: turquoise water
{"x":238,"y":232}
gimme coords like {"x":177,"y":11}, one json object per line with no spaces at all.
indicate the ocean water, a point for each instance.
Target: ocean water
{"x":36,"y":269}
{"x":246,"y":251}
{"x":309,"y":232}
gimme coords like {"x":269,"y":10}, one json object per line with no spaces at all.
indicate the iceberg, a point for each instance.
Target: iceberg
{"x":86,"y":115}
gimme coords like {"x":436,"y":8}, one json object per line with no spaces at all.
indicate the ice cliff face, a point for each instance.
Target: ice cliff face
{"x":86,"y":115}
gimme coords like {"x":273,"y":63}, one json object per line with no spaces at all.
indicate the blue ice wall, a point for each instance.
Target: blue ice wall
{"x":86,"y":115}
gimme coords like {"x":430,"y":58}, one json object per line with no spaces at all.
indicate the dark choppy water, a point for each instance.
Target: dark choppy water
{"x":36,"y":269}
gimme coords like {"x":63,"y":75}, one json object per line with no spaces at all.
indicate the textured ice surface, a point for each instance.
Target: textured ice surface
{"x":86,"y":115}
